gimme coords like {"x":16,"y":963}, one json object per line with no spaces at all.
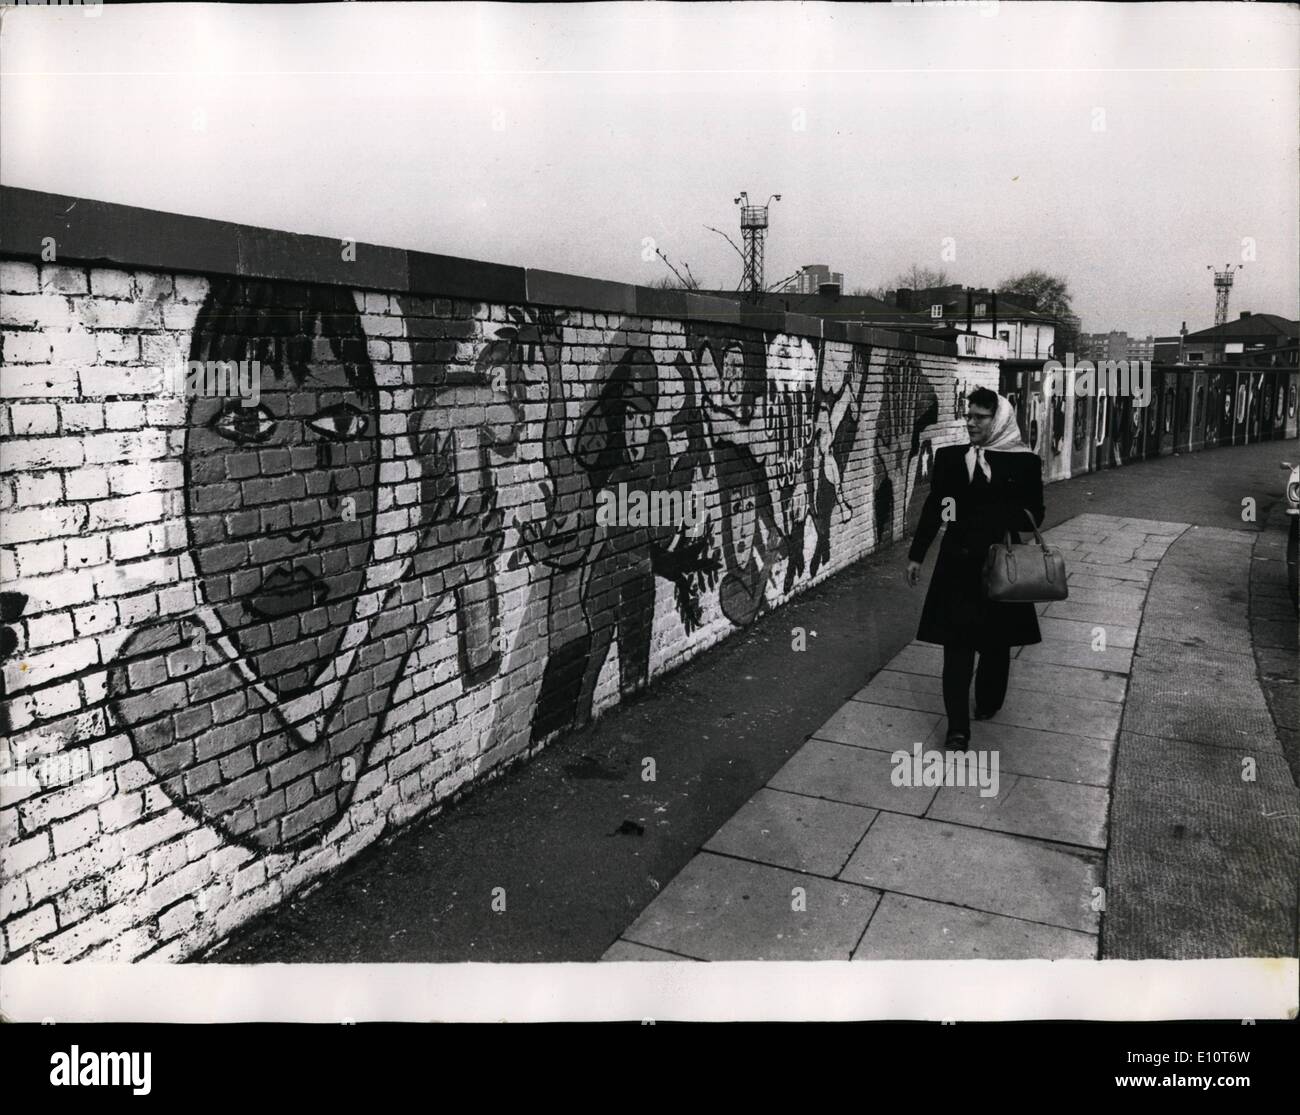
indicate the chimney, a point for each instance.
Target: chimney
{"x":828,"y":290}
{"x":970,"y":294}
{"x":993,"y":309}
{"x":903,"y":299}
{"x":1245,"y":313}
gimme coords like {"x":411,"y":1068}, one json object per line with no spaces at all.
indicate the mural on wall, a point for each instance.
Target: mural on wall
{"x":909,"y":405}
{"x":329,"y":523}
{"x":257,"y":715}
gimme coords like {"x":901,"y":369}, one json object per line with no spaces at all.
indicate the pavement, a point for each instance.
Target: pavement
{"x":1145,"y":805}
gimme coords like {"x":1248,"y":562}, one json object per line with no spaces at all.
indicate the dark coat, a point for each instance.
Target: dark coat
{"x":956,"y":611}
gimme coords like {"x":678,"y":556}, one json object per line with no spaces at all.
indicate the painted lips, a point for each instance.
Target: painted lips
{"x":287,"y":590}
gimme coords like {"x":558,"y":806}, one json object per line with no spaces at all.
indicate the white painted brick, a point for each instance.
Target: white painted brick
{"x":36,"y":454}
{"x":67,"y":280}
{"x":76,"y":348}
{"x":142,"y":446}
{"x":34,"y":418}
{"x":56,"y":700}
{"x":88,"y":482}
{"x":32,"y":926}
{"x":125,"y":416}
{"x":35,"y":380}
{"x":96,"y":618}
{"x":26,"y":854}
{"x":36,"y":558}
{"x":103,"y":381}
{"x":146,"y":507}
{"x":36,"y":670}
{"x":18,"y":278}
{"x":118,"y":348}
{"x":88,"y":551}
{"x":191,"y":288}
{"x":36,"y":488}
{"x":111,"y":284}
{"x":46,"y":630}
{"x":46,"y":311}
{"x":133,"y":478}
{"x":41,"y":522}
{"x":13,"y":898}
{"x":81,"y":417}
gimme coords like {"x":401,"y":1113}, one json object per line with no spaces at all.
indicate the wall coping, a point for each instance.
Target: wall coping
{"x":105,"y":233}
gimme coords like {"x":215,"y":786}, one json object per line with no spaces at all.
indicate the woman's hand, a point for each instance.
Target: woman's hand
{"x":913,"y":573}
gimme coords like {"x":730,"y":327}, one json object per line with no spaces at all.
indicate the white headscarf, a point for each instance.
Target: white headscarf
{"x":1004,"y":438}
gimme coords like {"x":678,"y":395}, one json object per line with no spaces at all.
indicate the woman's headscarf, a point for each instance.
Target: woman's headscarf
{"x":1004,"y":438}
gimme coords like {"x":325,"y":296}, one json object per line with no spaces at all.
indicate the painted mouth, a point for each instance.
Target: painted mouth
{"x":286,"y":590}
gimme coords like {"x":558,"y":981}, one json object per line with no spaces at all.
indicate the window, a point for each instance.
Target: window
{"x":981,"y":308}
{"x":1004,"y":335}
{"x":936,"y":310}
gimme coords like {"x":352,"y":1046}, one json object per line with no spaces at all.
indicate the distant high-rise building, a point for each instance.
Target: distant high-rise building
{"x":812,"y":276}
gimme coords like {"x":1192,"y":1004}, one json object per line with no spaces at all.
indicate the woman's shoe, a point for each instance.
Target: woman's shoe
{"x":957,"y":741}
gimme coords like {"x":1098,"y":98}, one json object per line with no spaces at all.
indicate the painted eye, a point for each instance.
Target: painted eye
{"x":243,"y":424}
{"x":340,"y":422}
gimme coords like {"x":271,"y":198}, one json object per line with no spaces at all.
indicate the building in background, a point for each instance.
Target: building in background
{"x":1257,"y":339}
{"x":813,"y":276}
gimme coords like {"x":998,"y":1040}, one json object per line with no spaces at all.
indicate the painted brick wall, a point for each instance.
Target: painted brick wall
{"x":247,"y":640}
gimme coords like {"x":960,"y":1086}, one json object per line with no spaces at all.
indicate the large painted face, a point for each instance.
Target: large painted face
{"x":281,"y":503}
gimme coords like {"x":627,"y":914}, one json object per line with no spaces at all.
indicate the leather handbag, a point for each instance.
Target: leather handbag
{"x":1022,"y":573}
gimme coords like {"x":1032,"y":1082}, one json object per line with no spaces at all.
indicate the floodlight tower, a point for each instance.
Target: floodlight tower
{"x":753,"y":227}
{"x":1222,"y":289}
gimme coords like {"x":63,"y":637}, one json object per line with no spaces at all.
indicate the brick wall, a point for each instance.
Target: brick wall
{"x":245,"y":640}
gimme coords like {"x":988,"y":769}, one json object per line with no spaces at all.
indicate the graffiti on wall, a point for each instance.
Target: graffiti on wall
{"x":328,"y":524}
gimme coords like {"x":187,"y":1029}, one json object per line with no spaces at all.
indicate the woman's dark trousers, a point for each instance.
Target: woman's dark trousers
{"x":990,"y":682}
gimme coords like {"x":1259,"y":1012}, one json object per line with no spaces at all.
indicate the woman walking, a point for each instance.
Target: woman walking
{"x":981,"y":491}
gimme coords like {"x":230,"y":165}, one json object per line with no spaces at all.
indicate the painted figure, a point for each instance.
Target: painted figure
{"x":257,"y":714}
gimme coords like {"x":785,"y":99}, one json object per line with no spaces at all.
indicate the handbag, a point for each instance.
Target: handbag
{"x":1023,"y":573}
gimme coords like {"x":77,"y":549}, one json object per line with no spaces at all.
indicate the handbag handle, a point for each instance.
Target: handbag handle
{"x":1032,"y":526}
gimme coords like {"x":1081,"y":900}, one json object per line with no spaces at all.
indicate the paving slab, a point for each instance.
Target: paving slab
{"x":1038,"y":677}
{"x":801,"y":833}
{"x":1056,"y":712}
{"x":918,"y":658}
{"x":718,"y":908}
{"x":1012,"y":875}
{"x":1094,"y":613}
{"x":905,"y":928}
{"x":1106,"y":591}
{"x":1115,"y":571}
{"x":1057,"y":755}
{"x":1067,"y":813}
{"x":884,"y":728}
{"x":1111,"y":660}
{"x":857,"y":775}
{"x":1076,"y":631}
{"x":901,"y":696}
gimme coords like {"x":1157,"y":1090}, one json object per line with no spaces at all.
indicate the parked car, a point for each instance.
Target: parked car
{"x":1292,"y":489}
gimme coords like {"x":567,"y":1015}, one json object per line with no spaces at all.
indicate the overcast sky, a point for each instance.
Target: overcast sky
{"x":1123,"y":146}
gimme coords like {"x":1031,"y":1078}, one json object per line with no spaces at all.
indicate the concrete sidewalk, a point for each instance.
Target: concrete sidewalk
{"x":832,"y":860}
